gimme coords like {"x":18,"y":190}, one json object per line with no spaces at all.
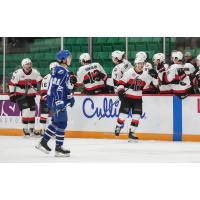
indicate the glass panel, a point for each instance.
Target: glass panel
{"x":41,"y":51}
{"x":76,"y":45}
{"x":188,"y":45}
{"x":102,"y":47}
{"x":150,"y":45}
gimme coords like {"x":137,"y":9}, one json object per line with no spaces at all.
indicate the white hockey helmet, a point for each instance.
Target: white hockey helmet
{"x":159,"y":56}
{"x":26,"y":61}
{"x":198,"y":57}
{"x":52,"y":65}
{"x":141,"y":54}
{"x":198,"y":60}
{"x":139,"y":60}
{"x":177,"y":55}
{"x":84,"y":57}
{"x":119,"y":55}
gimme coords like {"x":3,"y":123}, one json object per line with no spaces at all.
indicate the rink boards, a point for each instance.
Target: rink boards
{"x":164,"y":117}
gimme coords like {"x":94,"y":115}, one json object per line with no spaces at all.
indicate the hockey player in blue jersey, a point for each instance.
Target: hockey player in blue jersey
{"x":58,"y":97}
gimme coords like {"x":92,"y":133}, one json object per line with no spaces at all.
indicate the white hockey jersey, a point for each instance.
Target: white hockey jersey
{"x":119,"y":70}
{"x":164,"y":86}
{"x":86,"y":75}
{"x":178,"y":85}
{"x":25,"y":84}
{"x":134,"y":82}
{"x":189,"y":68}
{"x":148,"y":87}
{"x":45,"y":84}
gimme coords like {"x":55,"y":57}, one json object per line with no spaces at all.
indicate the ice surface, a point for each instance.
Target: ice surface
{"x":19,"y":149}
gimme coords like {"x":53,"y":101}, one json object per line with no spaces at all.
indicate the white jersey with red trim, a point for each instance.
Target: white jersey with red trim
{"x":178,"y":84}
{"x":134,"y":82}
{"x":189,"y":68}
{"x":164,"y":86}
{"x":147,"y":67}
{"x":25,"y":84}
{"x":45,"y":84}
{"x":119,"y":70}
{"x":86,"y":75}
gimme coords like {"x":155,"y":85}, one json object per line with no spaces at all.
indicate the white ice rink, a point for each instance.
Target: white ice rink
{"x":19,"y":149}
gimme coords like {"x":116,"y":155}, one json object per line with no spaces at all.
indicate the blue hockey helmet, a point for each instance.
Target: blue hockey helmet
{"x":62,"y":55}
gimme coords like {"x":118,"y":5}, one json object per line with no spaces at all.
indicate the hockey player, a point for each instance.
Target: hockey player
{"x":44,"y":111}
{"x":91,"y":75}
{"x":58,"y":97}
{"x":151,"y":88}
{"x":189,"y":69}
{"x":143,"y":55}
{"x":176,"y":75}
{"x":161,"y":69}
{"x":122,"y":65}
{"x":189,"y":59}
{"x":23,"y":90}
{"x":131,"y":98}
{"x":196,"y":80}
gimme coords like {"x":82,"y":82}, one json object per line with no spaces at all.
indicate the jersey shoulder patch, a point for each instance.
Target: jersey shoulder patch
{"x":60,"y":71}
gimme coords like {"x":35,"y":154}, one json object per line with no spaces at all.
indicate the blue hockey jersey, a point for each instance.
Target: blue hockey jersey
{"x":58,"y":86}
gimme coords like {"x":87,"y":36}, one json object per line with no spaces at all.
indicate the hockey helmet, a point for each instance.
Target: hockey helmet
{"x":52,"y":65}
{"x":177,"y":55}
{"x":119,"y":55}
{"x":62,"y":55}
{"x":159,"y":56}
{"x":141,"y":54}
{"x":84,"y":57}
{"x":26,"y":61}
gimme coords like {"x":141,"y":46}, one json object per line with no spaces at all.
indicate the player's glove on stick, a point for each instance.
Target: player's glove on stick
{"x":73,"y":79}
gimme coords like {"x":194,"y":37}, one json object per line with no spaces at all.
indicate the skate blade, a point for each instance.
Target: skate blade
{"x":133,"y":140}
{"x":35,"y":136}
{"x":61,"y":155}
{"x":26,"y":136}
{"x":42,"y":149}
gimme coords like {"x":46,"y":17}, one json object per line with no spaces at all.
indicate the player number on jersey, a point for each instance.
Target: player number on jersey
{"x":56,"y":81}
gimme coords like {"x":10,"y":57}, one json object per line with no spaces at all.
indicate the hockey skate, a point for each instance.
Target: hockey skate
{"x":117,"y":130}
{"x":34,"y":133}
{"x":132,"y":137}
{"x":26,"y":133}
{"x":61,"y":152}
{"x":42,"y":146}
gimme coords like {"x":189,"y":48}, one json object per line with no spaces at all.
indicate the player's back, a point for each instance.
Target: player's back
{"x":120,"y":69}
{"x":58,"y":85}
{"x":87,"y":75}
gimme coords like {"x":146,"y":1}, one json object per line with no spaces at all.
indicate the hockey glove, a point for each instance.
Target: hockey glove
{"x":71,"y":101}
{"x":59,"y":105}
{"x":160,"y":68}
{"x":43,"y":97}
{"x":181,"y":73}
{"x":121,"y":94}
{"x":73,"y":79}
{"x":99,"y":75}
{"x":12,"y":97}
{"x":153,"y":73}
